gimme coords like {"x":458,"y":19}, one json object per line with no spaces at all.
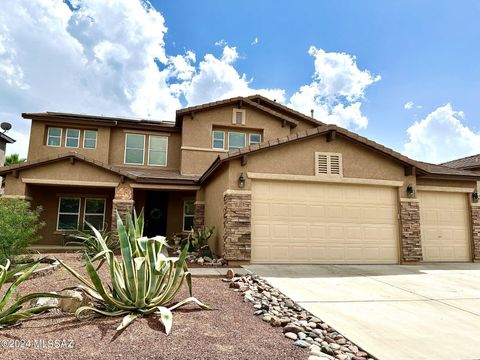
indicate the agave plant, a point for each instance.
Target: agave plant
{"x":144,"y":281}
{"x":89,"y":243}
{"x":15,"y":312}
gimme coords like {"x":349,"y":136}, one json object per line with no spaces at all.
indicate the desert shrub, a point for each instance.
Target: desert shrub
{"x":144,"y":280}
{"x":90,"y":244}
{"x":19,"y":224}
{"x":199,"y":240}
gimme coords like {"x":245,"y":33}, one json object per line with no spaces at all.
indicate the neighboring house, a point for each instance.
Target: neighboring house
{"x":471,"y":163}
{"x":4,"y":140}
{"x":279,"y":186}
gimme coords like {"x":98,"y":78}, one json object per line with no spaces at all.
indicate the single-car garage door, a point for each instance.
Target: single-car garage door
{"x":444,"y":226}
{"x":320,"y":223}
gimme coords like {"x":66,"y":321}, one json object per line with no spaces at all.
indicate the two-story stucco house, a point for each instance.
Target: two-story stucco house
{"x":279,"y":186}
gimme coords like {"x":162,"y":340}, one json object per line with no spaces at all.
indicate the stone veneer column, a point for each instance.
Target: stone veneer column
{"x":237,"y":210}
{"x":411,"y":240}
{"x":199,"y":216}
{"x":475,"y":213}
{"x":123,"y":203}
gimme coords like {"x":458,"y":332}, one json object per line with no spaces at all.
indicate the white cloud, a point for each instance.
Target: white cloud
{"x":408,"y":105}
{"x":254,"y":42}
{"x":108,"y":57}
{"x":441,"y":137}
{"x":337,"y":89}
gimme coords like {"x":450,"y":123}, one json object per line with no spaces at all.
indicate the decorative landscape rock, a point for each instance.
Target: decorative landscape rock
{"x":306,"y":330}
{"x":195,"y":258}
{"x":44,"y":301}
{"x":75,"y":300}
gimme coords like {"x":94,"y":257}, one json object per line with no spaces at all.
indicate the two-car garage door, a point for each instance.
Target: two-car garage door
{"x":301,"y":222}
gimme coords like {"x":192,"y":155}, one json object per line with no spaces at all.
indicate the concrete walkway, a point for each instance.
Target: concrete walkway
{"x":395,"y":312}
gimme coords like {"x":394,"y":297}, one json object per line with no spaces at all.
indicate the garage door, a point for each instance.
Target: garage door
{"x":319,"y":223}
{"x":444,"y":225}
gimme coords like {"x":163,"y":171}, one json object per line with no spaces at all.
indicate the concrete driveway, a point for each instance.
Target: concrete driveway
{"x":429,"y":311}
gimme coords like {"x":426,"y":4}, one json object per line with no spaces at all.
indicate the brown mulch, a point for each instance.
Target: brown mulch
{"x":229,"y":331}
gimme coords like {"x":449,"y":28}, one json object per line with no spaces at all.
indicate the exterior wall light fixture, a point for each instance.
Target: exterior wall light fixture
{"x":241,"y":181}
{"x":475,"y":196}
{"x":410,"y":191}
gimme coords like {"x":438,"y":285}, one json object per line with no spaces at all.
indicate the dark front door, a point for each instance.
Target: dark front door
{"x":156,"y":205}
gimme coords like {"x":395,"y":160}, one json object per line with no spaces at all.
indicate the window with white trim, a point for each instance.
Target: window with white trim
{"x":54,"y":136}
{"x":328,"y":164}
{"x":134,"y":149}
{"x":218,"y":139}
{"x":94,"y":214}
{"x":255,"y":139}
{"x":68,"y":213}
{"x":188,"y":214}
{"x":236,"y":140}
{"x":72,"y":138}
{"x":89,"y":139}
{"x":239,"y":116}
{"x":157,"y":150}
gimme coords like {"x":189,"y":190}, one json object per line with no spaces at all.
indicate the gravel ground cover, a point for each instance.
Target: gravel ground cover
{"x":229,"y":331}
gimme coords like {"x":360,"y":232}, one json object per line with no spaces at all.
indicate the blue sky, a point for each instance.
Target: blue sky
{"x":102,"y":58}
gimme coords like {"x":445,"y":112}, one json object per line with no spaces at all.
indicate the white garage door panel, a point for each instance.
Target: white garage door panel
{"x":444,"y":225}
{"x":323,"y":223}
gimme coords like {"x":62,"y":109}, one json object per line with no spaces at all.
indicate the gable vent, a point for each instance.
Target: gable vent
{"x":328,"y":164}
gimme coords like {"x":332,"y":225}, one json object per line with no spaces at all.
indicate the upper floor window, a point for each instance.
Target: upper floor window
{"x":239,"y":116}
{"x":54,"y":136}
{"x":157,"y":150}
{"x":255,"y":139}
{"x":134,"y":149}
{"x":218,"y":139}
{"x":72,"y":138}
{"x":89,"y":139}
{"x":236,"y":140}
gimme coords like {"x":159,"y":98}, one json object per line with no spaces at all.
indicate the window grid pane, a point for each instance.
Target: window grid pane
{"x":236,"y":140}
{"x":134,"y":147}
{"x":90,"y":139}
{"x":72,"y":138}
{"x":158,"y":150}
{"x":54,"y":137}
{"x":255,"y":139}
{"x":218,"y":140}
{"x":68,"y":213}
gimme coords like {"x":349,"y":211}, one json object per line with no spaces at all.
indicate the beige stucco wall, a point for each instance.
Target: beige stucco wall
{"x":213,"y":194}
{"x":117,"y":145}
{"x":47,"y":197}
{"x":38,"y":138}
{"x":446,"y":183}
{"x":197,"y":133}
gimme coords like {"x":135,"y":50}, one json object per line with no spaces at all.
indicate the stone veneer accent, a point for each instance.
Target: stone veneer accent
{"x":199,"y":216}
{"x":411,"y":241}
{"x":237,"y":239}
{"x":123,"y":203}
{"x":475,"y":213}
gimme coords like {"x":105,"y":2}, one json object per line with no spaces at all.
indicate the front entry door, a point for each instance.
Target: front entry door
{"x":156,"y":206}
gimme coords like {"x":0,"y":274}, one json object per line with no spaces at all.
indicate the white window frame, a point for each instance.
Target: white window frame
{"x":234,"y":116}
{"x":85,"y":212}
{"x":125,"y":152}
{"x":67,"y":137}
{"x":166,"y":151}
{"x":250,"y":138}
{"x":329,"y":162}
{"x":64,"y":213}
{"x":244,"y":139}
{"x":213,"y":139}
{"x":96,"y":137}
{"x":48,"y":136}
{"x":184,"y":215}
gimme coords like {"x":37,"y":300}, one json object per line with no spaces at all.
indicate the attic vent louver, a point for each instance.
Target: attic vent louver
{"x":328,"y":164}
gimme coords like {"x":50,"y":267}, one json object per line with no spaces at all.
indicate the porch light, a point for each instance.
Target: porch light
{"x":241,"y":181}
{"x":475,"y":196}
{"x":410,"y":191}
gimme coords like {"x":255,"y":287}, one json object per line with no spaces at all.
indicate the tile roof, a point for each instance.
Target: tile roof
{"x":422,"y":167}
{"x":6,"y":138}
{"x":469,"y":162}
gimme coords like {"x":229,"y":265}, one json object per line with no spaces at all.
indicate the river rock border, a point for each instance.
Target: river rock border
{"x":306,"y":330}
{"x":52,"y":266}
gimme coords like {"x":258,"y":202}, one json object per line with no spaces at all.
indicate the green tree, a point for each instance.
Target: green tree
{"x":19,"y":224}
{"x":13,"y":159}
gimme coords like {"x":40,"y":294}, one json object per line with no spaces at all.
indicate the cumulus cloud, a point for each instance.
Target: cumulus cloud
{"x":108,"y":57}
{"x":441,"y":136}
{"x":337,"y":89}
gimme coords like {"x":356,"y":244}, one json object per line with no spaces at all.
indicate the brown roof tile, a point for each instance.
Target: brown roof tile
{"x":469,"y":162}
